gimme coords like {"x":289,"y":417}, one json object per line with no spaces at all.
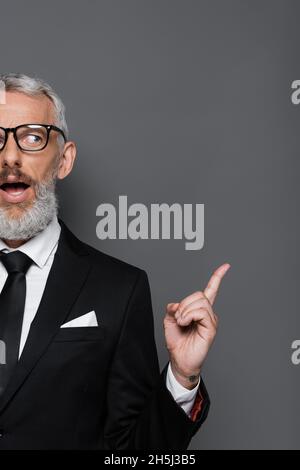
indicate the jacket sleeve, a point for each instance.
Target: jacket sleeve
{"x":141,"y":412}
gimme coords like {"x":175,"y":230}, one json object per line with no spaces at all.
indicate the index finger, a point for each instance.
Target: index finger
{"x":213,"y":285}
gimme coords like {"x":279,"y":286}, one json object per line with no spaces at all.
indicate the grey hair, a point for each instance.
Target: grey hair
{"x":34,"y":86}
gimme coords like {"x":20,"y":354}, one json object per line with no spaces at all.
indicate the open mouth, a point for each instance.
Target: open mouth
{"x":15,"y":192}
{"x":14,"y":188}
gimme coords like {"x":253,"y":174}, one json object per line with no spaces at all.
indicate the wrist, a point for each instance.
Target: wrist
{"x":188,"y":379}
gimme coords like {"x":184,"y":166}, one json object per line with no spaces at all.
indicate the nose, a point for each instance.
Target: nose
{"x":10,"y":156}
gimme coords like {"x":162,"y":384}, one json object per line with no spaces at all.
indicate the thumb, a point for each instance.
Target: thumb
{"x":172,"y":307}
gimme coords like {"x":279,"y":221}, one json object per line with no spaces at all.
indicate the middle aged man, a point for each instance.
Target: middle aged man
{"x":78,"y":361}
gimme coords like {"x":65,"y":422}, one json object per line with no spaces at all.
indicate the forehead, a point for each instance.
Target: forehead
{"x":23,"y":109}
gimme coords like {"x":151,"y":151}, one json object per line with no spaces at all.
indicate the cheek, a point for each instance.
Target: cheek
{"x":39,"y":169}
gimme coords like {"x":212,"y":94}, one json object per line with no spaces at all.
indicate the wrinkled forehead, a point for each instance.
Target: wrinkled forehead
{"x":17,"y":108}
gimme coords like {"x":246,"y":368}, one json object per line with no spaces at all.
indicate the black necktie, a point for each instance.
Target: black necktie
{"x":12,"y":302}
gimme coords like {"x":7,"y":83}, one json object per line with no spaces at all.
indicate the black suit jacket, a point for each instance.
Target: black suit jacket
{"x":95,"y":387}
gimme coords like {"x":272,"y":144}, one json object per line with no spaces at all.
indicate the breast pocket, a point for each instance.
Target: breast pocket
{"x":81,"y":333}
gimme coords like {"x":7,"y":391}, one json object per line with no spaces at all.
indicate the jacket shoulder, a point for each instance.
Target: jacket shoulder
{"x":106,"y":261}
{"x":102,"y":262}
{"x":117,"y":277}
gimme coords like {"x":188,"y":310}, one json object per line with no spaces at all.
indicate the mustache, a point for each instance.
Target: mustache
{"x":22,"y":177}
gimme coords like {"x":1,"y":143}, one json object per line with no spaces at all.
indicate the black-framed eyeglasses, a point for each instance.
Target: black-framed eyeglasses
{"x":29,"y":137}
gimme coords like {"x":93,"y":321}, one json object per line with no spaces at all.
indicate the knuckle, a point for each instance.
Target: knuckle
{"x":200,"y":294}
{"x":213,"y":332}
{"x":205,"y":302}
{"x":205,"y":311}
{"x":179,"y":311}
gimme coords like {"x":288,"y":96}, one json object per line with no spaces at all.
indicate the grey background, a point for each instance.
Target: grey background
{"x":189,"y":101}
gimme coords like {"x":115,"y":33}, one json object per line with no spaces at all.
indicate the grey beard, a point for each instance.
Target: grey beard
{"x":35,"y":218}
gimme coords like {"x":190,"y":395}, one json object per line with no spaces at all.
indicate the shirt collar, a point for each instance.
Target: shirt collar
{"x":40,"y":247}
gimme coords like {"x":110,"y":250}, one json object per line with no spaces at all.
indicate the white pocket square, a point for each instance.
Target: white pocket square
{"x":89,"y":319}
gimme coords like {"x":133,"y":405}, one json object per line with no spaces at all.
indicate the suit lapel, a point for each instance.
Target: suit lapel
{"x":69,"y":270}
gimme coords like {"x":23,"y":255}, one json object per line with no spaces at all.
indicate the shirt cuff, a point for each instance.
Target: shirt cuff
{"x":183,"y":396}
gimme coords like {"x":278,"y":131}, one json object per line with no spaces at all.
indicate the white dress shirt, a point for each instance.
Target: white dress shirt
{"x":41,"y":249}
